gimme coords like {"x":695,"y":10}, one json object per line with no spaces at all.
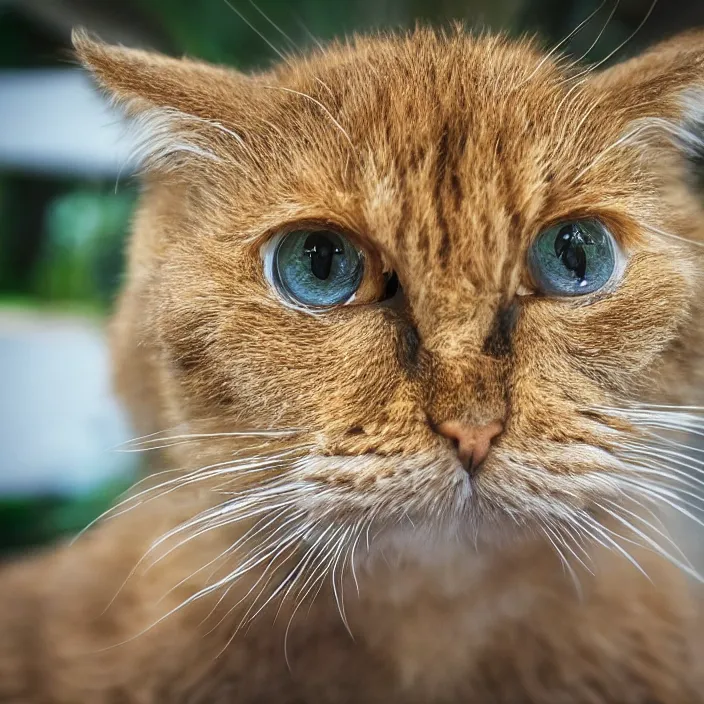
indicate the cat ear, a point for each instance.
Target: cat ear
{"x":661,"y":93}
{"x":179,"y":106}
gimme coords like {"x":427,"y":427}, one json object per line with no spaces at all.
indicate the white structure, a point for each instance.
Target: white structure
{"x":59,"y":423}
{"x":55,"y":121}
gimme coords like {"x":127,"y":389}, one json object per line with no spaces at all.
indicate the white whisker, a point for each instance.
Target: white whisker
{"x":339,"y":598}
{"x":670,"y":498}
{"x":194,"y":437}
{"x":589,"y":524}
{"x":320,"y":105}
{"x":649,"y":542}
{"x":658,"y":548}
{"x":601,"y":33}
{"x":615,"y":51}
{"x":263,"y":37}
{"x":555,"y":542}
{"x":557,"y":46}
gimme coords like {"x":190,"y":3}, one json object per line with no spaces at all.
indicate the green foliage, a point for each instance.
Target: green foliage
{"x":216,"y":30}
{"x":81,"y":256}
{"x":30,"y":521}
{"x":248,"y":34}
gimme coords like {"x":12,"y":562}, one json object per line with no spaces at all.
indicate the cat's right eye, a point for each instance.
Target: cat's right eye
{"x":321,"y":268}
{"x":574,"y":258}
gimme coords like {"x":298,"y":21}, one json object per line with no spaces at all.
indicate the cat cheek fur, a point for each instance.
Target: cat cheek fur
{"x":454,"y":201}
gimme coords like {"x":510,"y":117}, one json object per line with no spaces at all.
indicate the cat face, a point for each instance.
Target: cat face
{"x":367,"y":246}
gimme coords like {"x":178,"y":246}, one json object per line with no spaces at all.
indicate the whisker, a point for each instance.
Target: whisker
{"x":675,"y":486}
{"x":590,"y":524}
{"x":273,"y":24}
{"x":134,"y":499}
{"x":601,"y":33}
{"x":684,"y":418}
{"x":261,"y":35}
{"x":266,"y":578}
{"x":615,"y":51}
{"x":299,"y":569}
{"x":670,"y":235}
{"x":553,"y":540}
{"x":561,"y":43}
{"x":660,"y":453}
{"x":671,"y":474}
{"x":257,"y":529}
{"x":242,"y":569}
{"x":300,"y":533}
{"x":559,"y":527}
{"x":646,"y":406}
{"x":155,"y":544}
{"x":147,"y":436}
{"x":195,"y":437}
{"x":660,"y":439}
{"x":320,"y":105}
{"x":339,"y":598}
{"x":310,"y":34}
{"x":687,"y":568}
{"x":624,"y":139}
{"x":283,"y":585}
{"x":649,"y":525}
{"x":317,"y":572}
{"x":657,"y":493}
{"x":234,"y":512}
{"x":352,"y":552}
{"x":238,"y":468}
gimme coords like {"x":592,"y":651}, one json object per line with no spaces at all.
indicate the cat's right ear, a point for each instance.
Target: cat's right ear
{"x":170,"y":99}
{"x":659,"y":94}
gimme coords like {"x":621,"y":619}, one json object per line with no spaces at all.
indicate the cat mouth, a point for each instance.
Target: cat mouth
{"x":436,"y":487}
{"x":387,"y":489}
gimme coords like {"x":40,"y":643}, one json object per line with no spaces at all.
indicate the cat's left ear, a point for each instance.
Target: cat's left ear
{"x":660,"y":92}
{"x":171,"y":99}
{"x":141,"y":79}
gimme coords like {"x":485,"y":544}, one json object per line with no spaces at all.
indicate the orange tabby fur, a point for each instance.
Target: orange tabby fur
{"x":444,"y":156}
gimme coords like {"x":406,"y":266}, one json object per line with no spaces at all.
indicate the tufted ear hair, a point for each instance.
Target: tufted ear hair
{"x":180,"y":107}
{"x":661,"y":94}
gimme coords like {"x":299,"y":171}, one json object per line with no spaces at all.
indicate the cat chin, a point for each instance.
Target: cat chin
{"x":404,"y":560}
{"x":450,"y":529}
{"x":429,"y":545}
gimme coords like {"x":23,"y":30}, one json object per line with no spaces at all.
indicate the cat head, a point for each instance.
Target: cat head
{"x":446,"y":273}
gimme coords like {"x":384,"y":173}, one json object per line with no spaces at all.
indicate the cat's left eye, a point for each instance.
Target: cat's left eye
{"x":573,"y":258}
{"x":322,"y":268}
{"x":317,"y":268}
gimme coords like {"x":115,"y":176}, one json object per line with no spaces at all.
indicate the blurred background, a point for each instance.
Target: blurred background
{"x":66,"y":198}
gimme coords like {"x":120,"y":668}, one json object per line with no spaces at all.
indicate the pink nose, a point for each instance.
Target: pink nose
{"x":471,"y":441}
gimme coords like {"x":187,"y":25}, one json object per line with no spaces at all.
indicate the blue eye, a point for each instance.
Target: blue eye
{"x":573,"y":258}
{"x":317,"y":268}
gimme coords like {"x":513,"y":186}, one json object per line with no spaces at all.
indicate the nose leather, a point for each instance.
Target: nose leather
{"x":472,"y":442}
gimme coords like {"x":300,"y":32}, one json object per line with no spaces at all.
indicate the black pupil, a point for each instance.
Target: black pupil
{"x":321,"y":249}
{"x":569,"y":248}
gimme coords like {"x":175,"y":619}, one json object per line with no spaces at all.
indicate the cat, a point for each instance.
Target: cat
{"x":418,"y":318}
